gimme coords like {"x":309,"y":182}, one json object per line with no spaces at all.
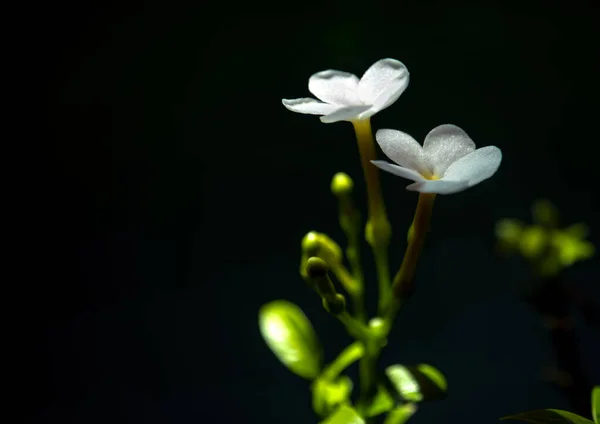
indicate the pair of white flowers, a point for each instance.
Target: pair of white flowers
{"x":446,"y":163}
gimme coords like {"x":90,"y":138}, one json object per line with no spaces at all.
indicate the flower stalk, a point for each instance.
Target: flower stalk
{"x":403,"y":285}
{"x":349,"y":217}
{"x":378,"y":230}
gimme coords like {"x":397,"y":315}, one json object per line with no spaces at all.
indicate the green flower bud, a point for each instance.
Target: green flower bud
{"x":534,"y":240}
{"x":335,"y":305}
{"x":342,"y":184}
{"x":319,"y":245}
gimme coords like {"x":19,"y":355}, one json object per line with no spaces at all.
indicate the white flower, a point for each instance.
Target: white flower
{"x":447,"y":162}
{"x":346,"y":98}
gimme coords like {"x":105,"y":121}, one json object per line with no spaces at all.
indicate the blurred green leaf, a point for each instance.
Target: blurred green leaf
{"x":596,"y":404}
{"x":382,"y":402}
{"x":548,"y":416}
{"x":416,"y":383}
{"x":401,"y":414}
{"x":328,"y":394}
{"x":345,"y":414}
{"x":291,"y":337}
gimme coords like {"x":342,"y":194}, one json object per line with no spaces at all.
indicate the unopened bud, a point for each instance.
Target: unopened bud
{"x":316,"y":267}
{"x":341,"y":184}
{"x":335,"y":305}
{"x":319,"y":245}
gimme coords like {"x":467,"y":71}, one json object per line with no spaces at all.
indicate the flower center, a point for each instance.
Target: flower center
{"x":429,"y":176}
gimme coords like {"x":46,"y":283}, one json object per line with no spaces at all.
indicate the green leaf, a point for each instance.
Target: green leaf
{"x":416,"y":383}
{"x":382,"y":402}
{"x":548,"y":416}
{"x":596,"y":404}
{"x":401,"y":414}
{"x":291,"y":337}
{"x":345,"y":414}
{"x":328,"y":394}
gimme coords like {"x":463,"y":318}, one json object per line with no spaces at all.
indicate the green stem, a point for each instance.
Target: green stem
{"x":347,"y":357}
{"x":352,"y":253}
{"x":367,"y":374}
{"x":354,"y":327}
{"x":378,"y":230}
{"x":378,"y":233}
{"x":403,"y":284}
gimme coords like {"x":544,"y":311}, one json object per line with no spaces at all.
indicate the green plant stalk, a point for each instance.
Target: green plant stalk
{"x":378,"y":233}
{"x":347,"y":357}
{"x":403,"y":284}
{"x":378,"y":230}
{"x":367,"y":376}
{"x":350,"y":226}
{"x":354,"y":327}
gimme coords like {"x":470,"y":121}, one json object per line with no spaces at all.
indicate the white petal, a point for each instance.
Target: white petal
{"x":308,"y":105}
{"x":444,"y":145}
{"x":475,"y":167}
{"x":438,"y":186}
{"x":382,"y":83}
{"x":402,"y":149}
{"x":349,"y":113}
{"x":335,"y":87}
{"x":398,"y":170}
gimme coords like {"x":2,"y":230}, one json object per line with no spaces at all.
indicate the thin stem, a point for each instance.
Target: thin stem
{"x":403,"y":286}
{"x":354,"y":327}
{"x":347,"y":357}
{"x":352,"y":231}
{"x":367,"y":376}
{"x":345,"y":278}
{"x":378,"y":230}
{"x":378,"y":233}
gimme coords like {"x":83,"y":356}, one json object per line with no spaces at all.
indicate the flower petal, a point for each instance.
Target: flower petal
{"x":308,"y":105}
{"x":349,"y":113}
{"x":335,"y":87}
{"x":475,"y":167}
{"x":398,"y":170}
{"x":383,"y":83}
{"x":402,"y":149}
{"x":444,"y":145}
{"x":438,"y":186}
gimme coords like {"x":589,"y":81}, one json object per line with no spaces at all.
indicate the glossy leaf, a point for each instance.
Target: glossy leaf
{"x":416,"y":383}
{"x":291,"y":337}
{"x":596,"y":404}
{"x":345,"y":414}
{"x":548,"y":416}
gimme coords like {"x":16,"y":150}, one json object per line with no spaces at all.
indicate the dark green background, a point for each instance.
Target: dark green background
{"x":176,"y":189}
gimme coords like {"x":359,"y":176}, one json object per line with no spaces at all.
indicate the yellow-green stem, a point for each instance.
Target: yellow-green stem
{"x":346,"y":358}
{"x":352,"y":253}
{"x":367,"y":375}
{"x":378,"y":233}
{"x":402,"y":286}
{"x":378,"y":230}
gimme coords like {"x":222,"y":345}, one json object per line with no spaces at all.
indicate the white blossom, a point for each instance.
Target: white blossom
{"x":343,"y":97}
{"x":446,"y":163}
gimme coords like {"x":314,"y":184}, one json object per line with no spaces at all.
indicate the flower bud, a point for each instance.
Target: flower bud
{"x":342,"y":184}
{"x":319,"y":245}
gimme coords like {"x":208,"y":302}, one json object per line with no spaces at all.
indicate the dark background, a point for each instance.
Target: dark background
{"x":174,"y":189}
